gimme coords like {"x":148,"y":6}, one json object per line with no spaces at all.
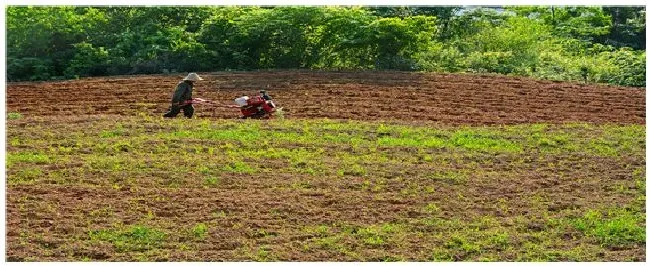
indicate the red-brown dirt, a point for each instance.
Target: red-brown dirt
{"x":75,"y":173}
{"x":405,"y":96}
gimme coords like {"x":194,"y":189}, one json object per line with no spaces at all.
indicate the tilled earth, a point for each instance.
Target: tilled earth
{"x":401,"y":96}
{"x":93,"y":172}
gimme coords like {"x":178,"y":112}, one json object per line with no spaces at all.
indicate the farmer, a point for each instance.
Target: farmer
{"x":182,"y":98}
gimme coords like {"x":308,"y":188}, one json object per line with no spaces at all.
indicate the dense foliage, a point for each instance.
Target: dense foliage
{"x":596,"y":44}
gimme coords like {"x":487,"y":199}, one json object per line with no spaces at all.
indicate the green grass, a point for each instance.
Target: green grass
{"x":608,"y":140}
{"x":411,"y":142}
{"x":475,"y":140}
{"x":614,"y":228}
{"x":451,"y":177}
{"x":211,"y":181}
{"x":238,"y":167}
{"x":116,"y":132}
{"x":200,"y":231}
{"x":421,"y":192}
{"x":25,"y":176}
{"x":134,"y":238}
{"x":14,"y":116}
{"x":28,"y":157}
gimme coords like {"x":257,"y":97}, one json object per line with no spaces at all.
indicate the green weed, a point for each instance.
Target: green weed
{"x":200,"y":231}
{"x":211,"y":181}
{"x":432,"y":208}
{"x":450,"y":177}
{"x":238,"y":167}
{"x":135,"y":238}
{"x":377,"y":235}
{"x":617,"y":228}
{"x":28,"y":157}
{"x":14,"y":116}
{"x":352,"y":170}
{"x":320,"y":230}
{"x":111,"y":133}
{"x":474,"y":140}
{"x":264,"y":254}
{"x":24,"y":176}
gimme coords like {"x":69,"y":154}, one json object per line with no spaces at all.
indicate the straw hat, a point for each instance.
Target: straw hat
{"x":192,"y":77}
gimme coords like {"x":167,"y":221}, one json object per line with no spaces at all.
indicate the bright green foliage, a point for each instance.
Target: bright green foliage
{"x":200,"y":231}
{"x":593,"y":44}
{"x":476,"y":141}
{"x":27,"y":157}
{"x":579,"y":22}
{"x":616,"y":228}
{"x":238,"y":167}
{"x":24,"y":176}
{"x":135,"y":238}
{"x":14,"y":116}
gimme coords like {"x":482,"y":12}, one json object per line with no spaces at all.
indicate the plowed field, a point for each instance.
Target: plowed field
{"x":402,"y":96}
{"x":422,"y":167}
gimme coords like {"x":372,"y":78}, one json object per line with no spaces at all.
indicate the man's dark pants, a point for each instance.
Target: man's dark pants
{"x":188,"y":111}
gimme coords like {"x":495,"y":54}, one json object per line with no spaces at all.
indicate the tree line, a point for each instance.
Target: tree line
{"x":594,"y":44}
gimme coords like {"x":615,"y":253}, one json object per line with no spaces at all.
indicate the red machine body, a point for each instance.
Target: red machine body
{"x":257,"y":107}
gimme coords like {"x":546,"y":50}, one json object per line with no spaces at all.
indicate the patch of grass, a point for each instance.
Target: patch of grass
{"x":320,"y":230}
{"x":460,"y":242}
{"x":432,"y":208}
{"x":450,"y":177}
{"x":211,"y":181}
{"x":441,"y":254}
{"x":112,"y":133}
{"x":308,"y":164}
{"x":238,"y":167}
{"x":551,"y":141}
{"x":264,"y":254}
{"x":183,"y":247}
{"x":616,"y":228}
{"x":249,"y":134}
{"x":302,"y":185}
{"x":122,"y":146}
{"x":103,"y":212}
{"x":330,"y":242}
{"x":135,"y":238}
{"x":499,"y":240}
{"x":603,"y":147}
{"x":377,"y":235}
{"x":352,"y":170}
{"x":639,"y":179}
{"x":14,"y":116}
{"x":112,"y":163}
{"x":28,"y":157}
{"x":387,"y":164}
{"x":431,"y":142}
{"x":474,"y":140}
{"x":218,"y":213}
{"x":24,"y":176}
{"x":199,"y":231}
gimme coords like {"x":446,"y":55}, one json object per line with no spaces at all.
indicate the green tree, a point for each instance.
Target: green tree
{"x":628,"y":26}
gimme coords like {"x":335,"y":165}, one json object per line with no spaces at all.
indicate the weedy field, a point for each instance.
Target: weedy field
{"x":144,"y":188}
{"x":367,"y":166}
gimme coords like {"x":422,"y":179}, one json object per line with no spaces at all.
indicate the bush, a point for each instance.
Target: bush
{"x":88,"y":61}
{"x":441,"y":59}
{"x":29,"y":68}
{"x":628,"y":68}
{"x":491,"y":62}
{"x":81,"y":41}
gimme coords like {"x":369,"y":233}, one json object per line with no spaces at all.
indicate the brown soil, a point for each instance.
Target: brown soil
{"x":404,"y":96}
{"x":275,"y":213}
